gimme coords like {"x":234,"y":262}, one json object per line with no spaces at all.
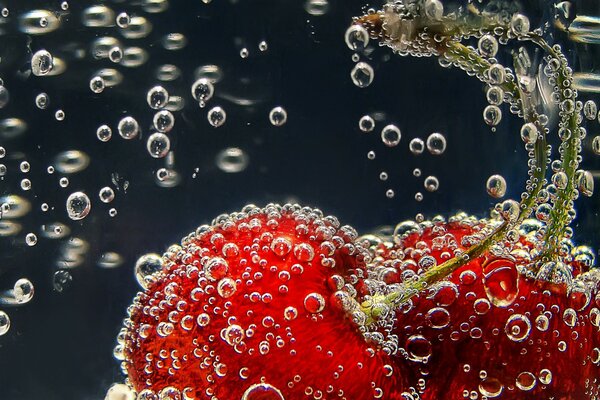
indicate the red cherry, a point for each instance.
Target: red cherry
{"x":249,"y":308}
{"x":489,"y":330}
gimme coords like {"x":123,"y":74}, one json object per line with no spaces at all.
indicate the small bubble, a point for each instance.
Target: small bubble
{"x":417,"y":172}
{"x":416,"y":146}
{"x":62,"y":280}
{"x":390,"y":194}
{"x":419,"y":196}
{"x":216,"y":116}
{"x":487,"y":46}
{"x":163,"y":121}
{"x":492,"y":115}
{"x":78,"y":206}
{"x":42,"y":63}
{"x":146,"y":268}
{"x":31,"y":239}
{"x":356,"y":37}
{"x":362,"y":74}
{"x":112,"y":212}
{"x":4,"y":96}
{"x":371,"y":155}
{"x":25,"y":184}
{"x":232,"y":160}
{"x":244,"y":53}
{"x":157,"y":97}
{"x":596,"y":145}
{"x":59,"y":115}
{"x":158,"y":145}
{"x":115,"y":54}
{"x":263,"y":46}
{"x":278,"y":116}
{"x":436,"y":143}
{"x":496,"y":186}
{"x":24,"y":166}
{"x":529,"y":133}
{"x":123,"y":20}
{"x":383,"y":176}
{"x":97,"y":84}
{"x":366,"y":123}
{"x":128,"y":128}
{"x":104,"y":133}
{"x":431,"y":183}
{"x":390,"y":135}
{"x":42,"y":101}
{"x":106,"y":194}
{"x":5,"y":323}
{"x":202,"y":91}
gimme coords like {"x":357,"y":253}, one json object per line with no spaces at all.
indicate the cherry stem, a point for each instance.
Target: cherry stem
{"x":446,"y":40}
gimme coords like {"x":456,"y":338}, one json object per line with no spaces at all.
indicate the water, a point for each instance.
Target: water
{"x":126,"y":125}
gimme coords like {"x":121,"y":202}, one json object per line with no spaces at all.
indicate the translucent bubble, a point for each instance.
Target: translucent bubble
{"x":431,"y":183}
{"x":202,"y":91}
{"x":417,"y":172}
{"x":492,"y":115}
{"x":167,"y":72}
{"x":314,"y":303}
{"x":112,"y":212}
{"x":371,"y":155}
{"x":123,"y":20}
{"x":519,"y":24}
{"x":25,"y":184}
{"x":545,"y":376}
{"x":391,"y":135}
{"x":495,"y":95}
{"x":158,"y":145}
{"x":97,"y":84}
{"x":31,"y":239}
{"x":517,"y":327}
{"x":278,"y":116}
{"x":590,"y":110}
{"x":529,"y":133}
{"x":366,"y":123}
{"x":4,"y":96}
{"x":436,"y":144}
{"x":232,"y":160}
{"x":216,"y":268}
{"x":487,"y":46}
{"x":383,"y":176}
{"x":585,"y":182}
{"x":59,"y":115}
{"x":146,"y":267}
{"x":390,"y":193}
{"x":23,"y":291}
{"x":262,"y":391}
{"x":5,"y":324}
{"x":174,"y":41}
{"x":157,"y":97}
{"x":106,"y":194}
{"x":226,"y":287}
{"x":104,"y":133}
{"x":24,"y":166}
{"x":163,"y":121}
{"x":42,"y":101}
{"x":115,"y":54}
{"x":244,"y":53}
{"x":263,"y":46}
{"x":434,"y":9}
{"x":419,"y":196}
{"x":357,"y":37}
{"x":496,"y":186}
{"x":497,"y":74}
{"x":128,"y":128}
{"x":62,"y":280}
{"x":42,"y":63}
{"x":71,"y":161}
{"x":216,"y":116}
{"x":419,"y":348}
{"x":596,"y":145}
{"x":416,"y":146}
{"x":78,"y":206}
{"x":362,"y":74}
{"x":316,"y":8}
{"x":120,"y":391}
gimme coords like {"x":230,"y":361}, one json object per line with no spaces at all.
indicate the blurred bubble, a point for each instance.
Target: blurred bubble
{"x":232,"y":160}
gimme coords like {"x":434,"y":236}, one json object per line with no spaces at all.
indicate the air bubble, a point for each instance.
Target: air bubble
{"x":362,"y":74}
{"x":436,"y":144}
{"x":357,"y":37}
{"x":391,"y":135}
{"x":496,"y":186}
{"x":146,"y":268}
{"x":104,"y":133}
{"x":157,"y":97}
{"x":278,"y":116}
{"x":492,"y":115}
{"x":487,"y":46}
{"x":163,"y":121}
{"x":431,"y":183}
{"x":42,"y":63}
{"x":5,"y":324}
{"x":106,"y":194}
{"x":366,"y":123}
{"x":216,"y":116}
{"x":78,"y":206}
{"x":232,"y":160}
{"x":97,"y":84}
{"x":202,"y":91}
{"x":416,"y":146}
{"x":128,"y":128}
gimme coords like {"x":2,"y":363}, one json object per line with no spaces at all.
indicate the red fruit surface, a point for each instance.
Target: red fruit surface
{"x":488,"y":331}
{"x":245,"y":309}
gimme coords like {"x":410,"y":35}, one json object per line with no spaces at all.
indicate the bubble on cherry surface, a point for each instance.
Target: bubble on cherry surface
{"x":262,"y":391}
{"x":78,"y":206}
{"x":120,"y":391}
{"x":517,"y":327}
{"x":146,"y":268}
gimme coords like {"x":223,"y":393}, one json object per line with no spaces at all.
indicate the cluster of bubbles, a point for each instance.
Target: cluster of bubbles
{"x":391,"y":136}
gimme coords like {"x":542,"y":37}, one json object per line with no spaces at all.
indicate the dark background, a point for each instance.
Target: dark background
{"x":60,"y":344}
